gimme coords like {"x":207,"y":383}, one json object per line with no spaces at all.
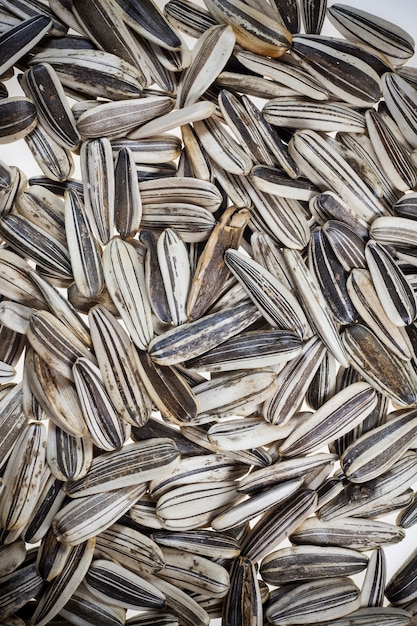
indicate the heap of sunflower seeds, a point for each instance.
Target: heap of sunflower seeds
{"x":216,"y":322}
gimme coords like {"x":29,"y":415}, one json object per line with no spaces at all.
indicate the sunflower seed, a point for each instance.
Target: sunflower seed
{"x":367,"y":303}
{"x":117,"y":367}
{"x":106,"y":28}
{"x":83,"y":605}
{"x":381,"y":368}
{"x":325,"y":168}
{"x":130,"y":548}
{"x":19,"y":587}
{"x":18,"y":118}
{"x":83,"y":248}
{"x":277,"y":524}
{"x":68,"y":457}
{"x":179,"y":344}
{"x":300,"y":563}
{"x":204,"y":542}
{"x":149,"y":22}
{"x":22,"y":477}
{"x":401,"y":587}
{"x":363,"y":27}
{"x":271,"y":39}
{"x":244,"y":595}
{"x":188,"y":17}
{"x":17,"y":41}
{"x":44,"y":88}
{"x":110,"y":581}
{"x":372,"y":592}
{"x":153,"y":150}
{"x":83,"y":518}
{"x":393,"y":482}
{"x":210,"y":55}
{"x":50,"y":501}
{"x":190,"y":613}
{"x":55,"y":343}
{"x":246,"y":510}
{"x":55,"y":393}
{"x":194,"y":573}
{"x":61,"y":588}
{"x":355,"y":533}
{"x":361,"y":461}
{"x":54,"y":161}
{"x":94,"y":73}
{"x":339,"y":68}
{"x":292,"y":382}
{"x":222,"y":147}
{"x":226,"y":234}
{"x":344,"y":410}
{"x":198,"y":469}
{"x":400,"y":98}
{"x":105,"y":426}
{"x":134,"y":464}
{"x":391,"y":285}
{"x":125,"y":280}
{"x":194,"y":505}
{"x":167,"y":388}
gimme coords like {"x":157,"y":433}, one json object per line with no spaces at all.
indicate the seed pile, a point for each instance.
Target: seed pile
{"x":228,"y":290}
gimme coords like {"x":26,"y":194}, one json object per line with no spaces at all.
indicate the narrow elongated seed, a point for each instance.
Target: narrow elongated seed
{"x":109,"y":580}
{"x":94,"y":72}
{"x":365,"y":299}
{"x":391,"y":285}
{"x":194,"y":573}
{"x":373,"y":588}
{"x":134,"y":464}
{"x":252,"y":33}
{"x":343,"y":411}
{"x":351,"y":532}
{"x":104,"y":424}
{"x":227,"y":234}
{"x":86,"y":517}
{"x":68,"y":457}
{"x":278,"y":523}
{"x":83,"y":247}
{"x":381,"y":368}
{"x":244,"y":596}
{"x":22,"y":478}
{"x":300,"y":563}
{"x":292,"y":382}
{"x":344,"y":74}
{"x":51,"y":104}
{"x":363,"y":27}
{"x":315,"y":304}
{"x":118,"y":369}
{"x":198,"y":468}
{"x":125,"y":281}
{"x":363,"y":461}
{"x":316,"y":601}
{"x":147,"y":20}
{"x":130,"y":548}
{"x":55,"y":343}
{"x":17,"y":41}
{"x":180,"y":344}
{"x":274,"y":300}
{"x":284,"y":470}
{"x":63,"y":586}
{"x":204,"y":542}
{"x":210,"y":55}
{"x":194,"y":505}
{"x":248,"y":350}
